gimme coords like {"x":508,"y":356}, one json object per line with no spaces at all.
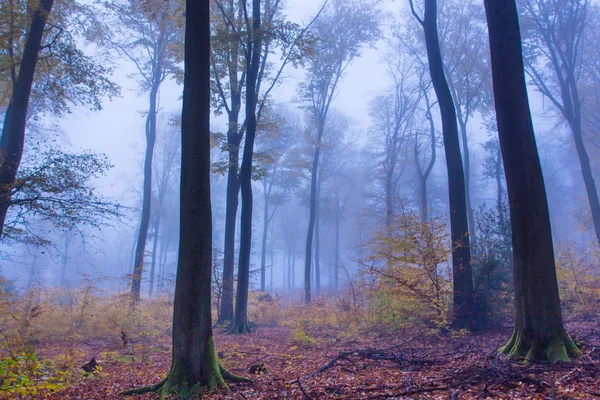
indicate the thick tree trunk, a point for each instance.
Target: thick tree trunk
{"x":195,"y":364}
{"x":140,"y":250}
{"x":463,"y":317}
{"x":13,"y":130}
{"x":539,"y":332}
{"x":240,"y":324}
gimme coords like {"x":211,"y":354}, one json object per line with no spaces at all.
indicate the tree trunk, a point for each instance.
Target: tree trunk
{"x":13,"y":130}
{"x":461,"y":252}
{"x":588,"y":177}
{"x":140,"y":250}
{"x":63,"y":276}
{"x":154,"y":250}
{"x":233,"y":190}
{"x":195,"y":364}
{"x":318,"y":240}
{"x":338,"y":218}
{"x":467,"y":170}
{"x":311,"y":220}
{"x":240,"y":324}
{"x":539,"y":332}
{"x":263,"y":254}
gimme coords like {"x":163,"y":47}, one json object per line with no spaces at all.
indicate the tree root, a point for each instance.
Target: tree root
{"x":558,"y":348}
{"x":146,"y":389}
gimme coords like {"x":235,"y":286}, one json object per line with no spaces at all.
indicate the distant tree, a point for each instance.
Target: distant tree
{"x":276,"y":175}
{"x":461,"y":250}
{"x":554,"y":43}
{"x":148,"y":33}
{"x":539,"y":332}
{"x":392,"y":114}
{"x":429,"y":138}
{"x":466,"y":63}
{"x":233,"y":40}
{"x":195,"y":364}
{"x":166,"y":162}
{"x":340,"y":34}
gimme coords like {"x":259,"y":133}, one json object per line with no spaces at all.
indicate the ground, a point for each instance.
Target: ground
{"x":339,"y":365}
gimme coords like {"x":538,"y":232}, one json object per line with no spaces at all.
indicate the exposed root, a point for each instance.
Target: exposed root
{"x":146,"y":389}
{"x":558,"y":348}
{"x":239,"y":329}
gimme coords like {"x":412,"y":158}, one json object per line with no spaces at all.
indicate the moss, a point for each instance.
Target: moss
{"x":558,"y":348}
{"x":175,"y":382}
{"x":239,"y":329}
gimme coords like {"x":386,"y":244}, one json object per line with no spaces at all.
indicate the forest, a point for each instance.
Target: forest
{"x":299,"y":199}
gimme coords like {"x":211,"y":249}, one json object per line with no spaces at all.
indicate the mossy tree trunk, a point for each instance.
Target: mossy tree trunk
{"x":195,"y":366}
{"x":539,"y":332}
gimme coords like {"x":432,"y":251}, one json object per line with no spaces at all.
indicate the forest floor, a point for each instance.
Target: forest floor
{"x":341,"y":366}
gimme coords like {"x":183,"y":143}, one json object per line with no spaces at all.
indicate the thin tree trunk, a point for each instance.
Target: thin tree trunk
{"x":539,"y":332}
{"x":318,"y":240}
{"x":312,"y":214}
{"x":263,"y":254}
{"x":63,"y":275}
{"x":140,"y":250}
{"x":253,"y":59}
{"x":467,"y":171}
{"x":463,"y":316}
{"x":154,"y":250}
{"x":13,"y":130}
{"x":337,"y":243}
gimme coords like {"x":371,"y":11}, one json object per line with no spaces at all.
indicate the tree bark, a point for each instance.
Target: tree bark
{"x":467,"y":171}
{"x":140,"y":250}
{"x":155,"y":228}
{"x":13,"y":130}
{"x":539,"y":332}
{"x":195,"y":364}
{"x":263,"y":253}
{"x":318,"y":239}
{"x":311,"y":219}
{"x":463,"y":317}
{"x":254,"y":46}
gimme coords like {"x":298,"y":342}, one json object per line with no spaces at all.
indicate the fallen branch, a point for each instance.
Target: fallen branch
{"x":409,"y":392}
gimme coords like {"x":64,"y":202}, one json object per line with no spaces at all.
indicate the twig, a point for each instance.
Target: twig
{"x":303,"y":391}
{"x":409,"y":392}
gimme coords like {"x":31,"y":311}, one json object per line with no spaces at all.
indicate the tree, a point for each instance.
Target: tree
{"x":234,"y":39}
{"x":276,"y":175}
{"x":54,"y":186}
{"x":393,"y":118}
{"x":166,"y":160}
{"x":461,"y":252}
{"x":149,"y":35}
{"x":195,"y":364}
{"x":467,"y":67}
{"x":554,"y":32}
{"x":13,"y":129}
{"x":48,"y":75}
{"x":340,"y":34}
{"x":539,"y":332}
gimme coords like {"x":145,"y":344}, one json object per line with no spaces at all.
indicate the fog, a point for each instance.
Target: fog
{"x":381,"y":74}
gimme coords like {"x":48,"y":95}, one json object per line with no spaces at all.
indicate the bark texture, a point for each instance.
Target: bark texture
{"x":539,"y":332}
{"x":462,"y":274}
